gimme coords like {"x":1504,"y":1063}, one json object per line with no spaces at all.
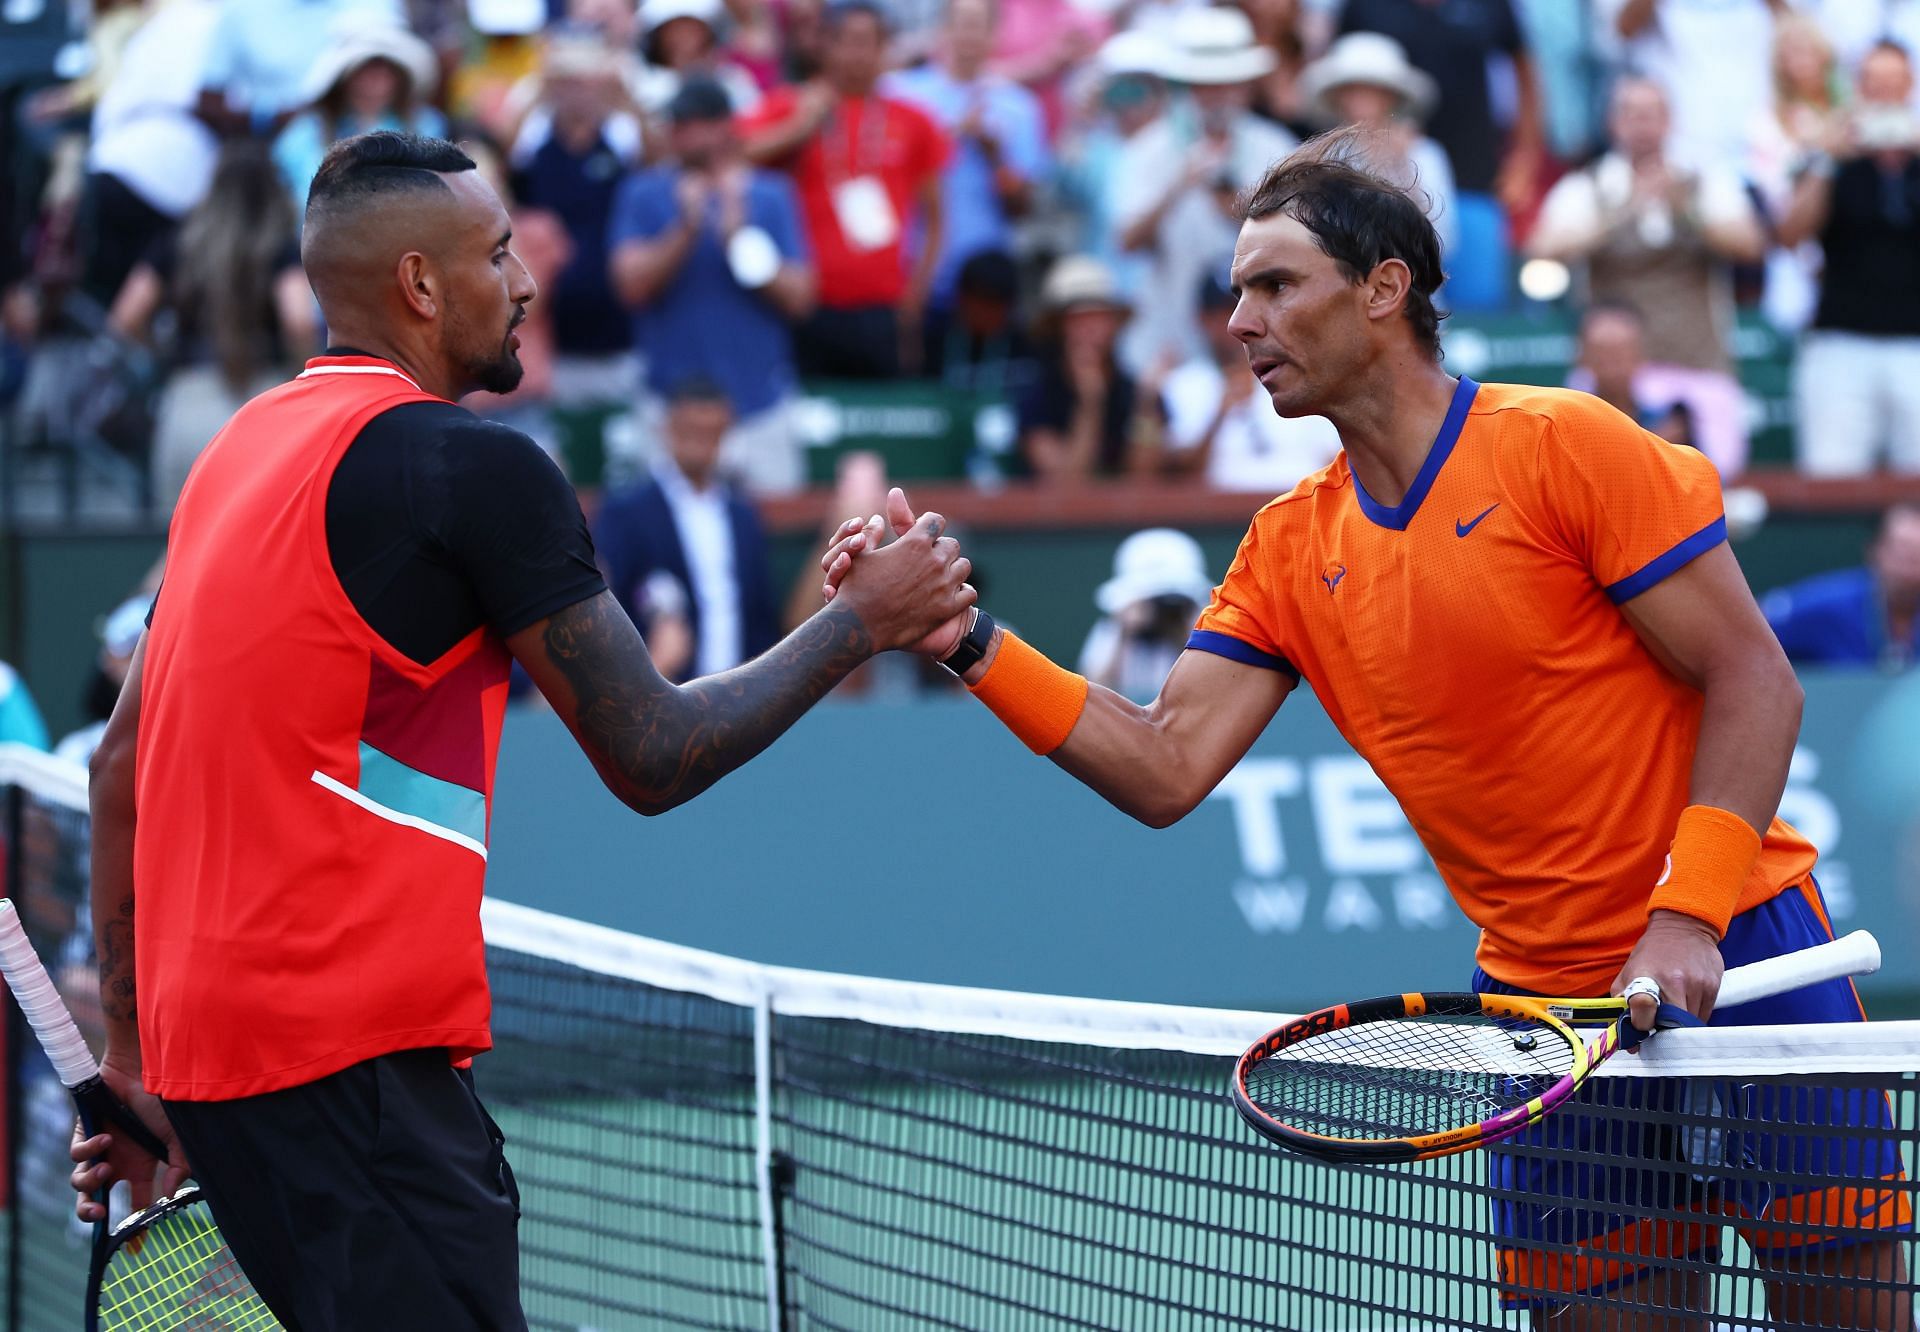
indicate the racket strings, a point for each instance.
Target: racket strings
{"x":177,"y":1274}
{"x":1409,"y":1077}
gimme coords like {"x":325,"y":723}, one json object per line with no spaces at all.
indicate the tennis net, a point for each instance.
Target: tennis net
{"x":703,"y":1142}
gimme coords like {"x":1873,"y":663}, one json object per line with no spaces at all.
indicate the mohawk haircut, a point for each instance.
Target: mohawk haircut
{"x":368,"y":168}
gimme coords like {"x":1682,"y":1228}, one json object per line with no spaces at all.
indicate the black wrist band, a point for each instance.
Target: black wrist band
{"x":973,"y":646}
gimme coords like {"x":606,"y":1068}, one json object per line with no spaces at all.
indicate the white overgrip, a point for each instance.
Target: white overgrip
{"x":1856,"y":954}
{"x":33,"y":989}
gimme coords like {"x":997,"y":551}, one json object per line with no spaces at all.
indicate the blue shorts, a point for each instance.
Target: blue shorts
{"x":1568,"y":1220}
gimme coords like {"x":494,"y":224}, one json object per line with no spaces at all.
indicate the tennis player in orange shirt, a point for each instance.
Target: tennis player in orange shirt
{"x":1521,"y":609}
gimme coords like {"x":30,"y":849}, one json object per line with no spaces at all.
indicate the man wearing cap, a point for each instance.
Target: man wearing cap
{"x":1179,"y":178}
{"x":707,"y":254}
{"x":867,"y":166}
{"x":1085,"y":415}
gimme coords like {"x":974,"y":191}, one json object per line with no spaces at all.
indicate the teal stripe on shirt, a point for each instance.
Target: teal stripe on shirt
{"x":392,"y":783}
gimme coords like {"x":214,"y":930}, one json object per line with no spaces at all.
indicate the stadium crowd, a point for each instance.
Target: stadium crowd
{"x":1028,"y":205}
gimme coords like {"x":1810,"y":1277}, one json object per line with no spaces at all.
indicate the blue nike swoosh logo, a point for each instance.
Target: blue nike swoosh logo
{"x":1461,"y":529}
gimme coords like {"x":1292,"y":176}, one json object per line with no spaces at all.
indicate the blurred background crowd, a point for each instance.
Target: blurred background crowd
{"x":770,"y":231}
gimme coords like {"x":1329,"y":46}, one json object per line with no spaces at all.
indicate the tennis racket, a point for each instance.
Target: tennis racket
{"x":165,"y":1267}
{"x":1407,"y":1077}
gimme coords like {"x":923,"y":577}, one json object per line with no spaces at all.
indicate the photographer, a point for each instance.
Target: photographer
{"x":1147,"y":609}
{"x":1857,"y":380}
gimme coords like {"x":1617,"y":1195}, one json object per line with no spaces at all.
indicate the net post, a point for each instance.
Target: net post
{"x":764,"y":1163}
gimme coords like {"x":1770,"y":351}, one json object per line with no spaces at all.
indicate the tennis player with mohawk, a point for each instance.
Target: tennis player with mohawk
{"x":296,"y":786}
{"x":1522,"y":610}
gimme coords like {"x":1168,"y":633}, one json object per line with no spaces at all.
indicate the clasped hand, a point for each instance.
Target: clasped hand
{"x":856,"y":545}
{"x":912,"y":594}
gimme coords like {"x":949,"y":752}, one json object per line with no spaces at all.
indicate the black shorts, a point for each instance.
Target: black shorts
{"x":377,"y":1197}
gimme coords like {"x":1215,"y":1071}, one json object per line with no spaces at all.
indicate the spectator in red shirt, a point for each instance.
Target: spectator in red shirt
{"x":867,"y":169}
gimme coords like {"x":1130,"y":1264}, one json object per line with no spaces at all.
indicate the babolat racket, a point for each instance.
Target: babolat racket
{"x":1407,"y":1077}
{"x":165,"y":1267}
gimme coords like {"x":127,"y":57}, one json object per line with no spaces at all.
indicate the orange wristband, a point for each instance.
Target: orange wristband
{"x":1039,"y":701}
{"x":1713,"y":853}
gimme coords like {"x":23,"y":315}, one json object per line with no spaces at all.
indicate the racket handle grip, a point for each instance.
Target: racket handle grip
{"x":101,"y":1110}
{"x":1856,"y":954}
{"x":1665,"y":1018}
{"x":46,"y":1013}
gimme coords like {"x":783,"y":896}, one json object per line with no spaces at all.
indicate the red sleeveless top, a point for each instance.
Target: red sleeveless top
{"x":312,"y":805}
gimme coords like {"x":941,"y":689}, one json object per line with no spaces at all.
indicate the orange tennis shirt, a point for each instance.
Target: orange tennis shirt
{"x":1469,"y":644}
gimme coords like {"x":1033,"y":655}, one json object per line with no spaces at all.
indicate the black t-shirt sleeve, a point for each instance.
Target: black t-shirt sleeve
{"x":439,"y":523}
{"x":513,"y":526}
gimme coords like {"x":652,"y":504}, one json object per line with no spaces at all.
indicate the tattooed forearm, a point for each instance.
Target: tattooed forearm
{"x":113,"y":938}
{"x":657,"y":744}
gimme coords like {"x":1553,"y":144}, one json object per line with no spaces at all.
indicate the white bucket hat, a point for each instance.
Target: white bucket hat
{"x":1371,"y":58}
{"x":354,"y":44}
{"x":1130,"y":52}
{"x":1158,"y":562}
{"x":507,"y":18}
{"x":655,"y":14}
{"x":1211,"y":47}
{"x":1078,"y":281}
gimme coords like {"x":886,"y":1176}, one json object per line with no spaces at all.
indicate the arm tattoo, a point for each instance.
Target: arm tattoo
{"x":658,"y":744}
{"x":114,"y":941}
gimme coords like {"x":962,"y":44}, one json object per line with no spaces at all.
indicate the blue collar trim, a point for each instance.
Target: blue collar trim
{"x":1402,"y":513}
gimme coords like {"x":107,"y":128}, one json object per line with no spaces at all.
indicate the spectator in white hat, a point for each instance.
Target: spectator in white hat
{"x":1366,"y":79}
{"x":507,"y":18}
{"x":1147,"y":609}
{"x":682,"y":38}
{"x":371,"y":76}
{"x":1488,"y":116}
{"x":1180,"y":178}
{"x":259,"y":67}
{"x":1085,"y":415}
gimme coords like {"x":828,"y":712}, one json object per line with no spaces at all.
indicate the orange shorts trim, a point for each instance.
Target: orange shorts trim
{"x":1843,"y":1214}
{"x":1828,"y":1216}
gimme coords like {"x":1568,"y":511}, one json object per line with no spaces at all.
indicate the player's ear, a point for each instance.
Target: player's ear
{"x":419,"y":284}
{"x":1388,"y":286}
